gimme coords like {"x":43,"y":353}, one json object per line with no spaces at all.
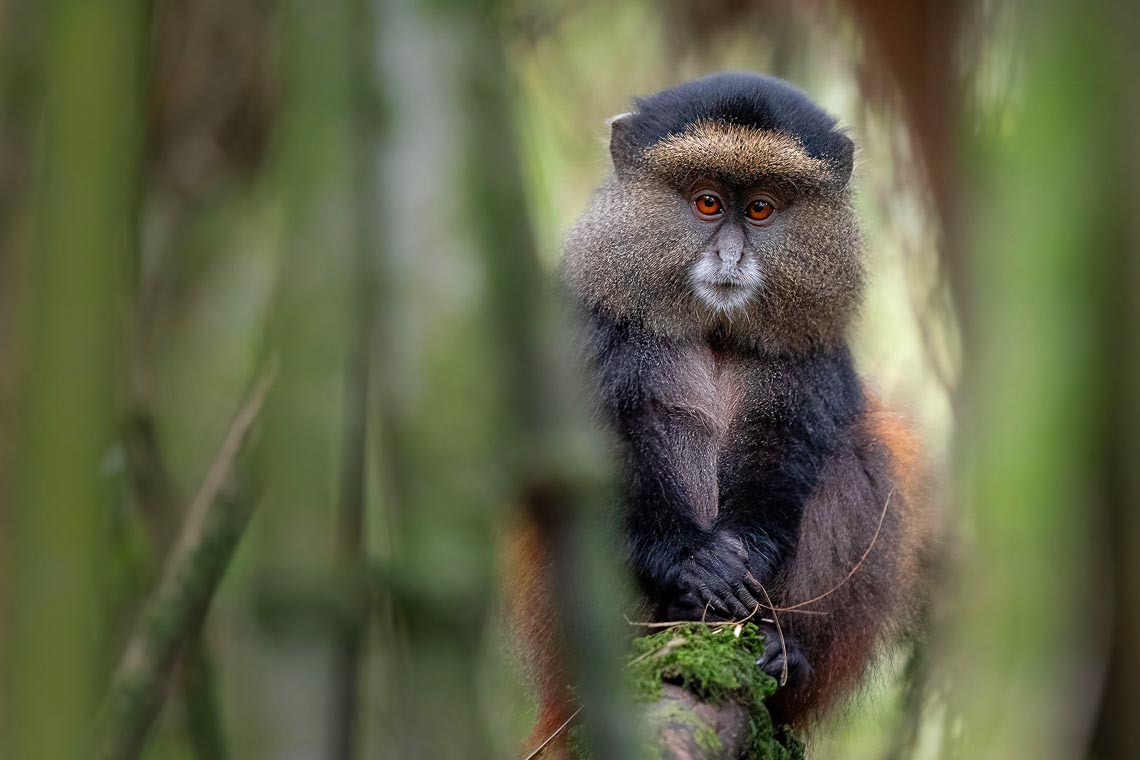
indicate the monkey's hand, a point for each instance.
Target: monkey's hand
{"x":783,"y":659}
{"x":714,"y":583}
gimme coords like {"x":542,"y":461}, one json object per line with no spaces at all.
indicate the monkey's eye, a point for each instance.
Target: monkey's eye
{"x":759,"y":210}
{"x":707,"y":205}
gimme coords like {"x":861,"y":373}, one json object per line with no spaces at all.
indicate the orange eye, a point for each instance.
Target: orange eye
{"x":708,"y":205}
{"x":759,"y":210}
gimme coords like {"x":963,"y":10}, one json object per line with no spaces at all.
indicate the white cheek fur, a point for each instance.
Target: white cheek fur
{"x":726,"y":288}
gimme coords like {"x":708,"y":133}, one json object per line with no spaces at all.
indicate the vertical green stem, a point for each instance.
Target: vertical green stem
{"x":351,"y":532}
{"x":550,"y":487}
{"x":85,"y":199}
{"x":316,"y":427}
{"x":1039,"y":373}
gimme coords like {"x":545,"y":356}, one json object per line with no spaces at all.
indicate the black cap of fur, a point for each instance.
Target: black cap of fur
{"x":744,"y":99}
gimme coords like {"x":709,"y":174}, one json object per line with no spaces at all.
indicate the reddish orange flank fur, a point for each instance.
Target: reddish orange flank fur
{"x":532,"y":616}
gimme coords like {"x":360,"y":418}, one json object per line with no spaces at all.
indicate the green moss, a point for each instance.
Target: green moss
{"x":706,"y":737}
{"x":718,"y":664}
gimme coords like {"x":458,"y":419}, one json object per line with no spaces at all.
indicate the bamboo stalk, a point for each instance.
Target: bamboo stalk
{"x":351,"y":529}
{"x":73,"y":277}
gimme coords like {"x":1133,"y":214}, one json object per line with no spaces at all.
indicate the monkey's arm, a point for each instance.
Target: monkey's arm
{"x":685,"y":568}
{"x":797,"y":416}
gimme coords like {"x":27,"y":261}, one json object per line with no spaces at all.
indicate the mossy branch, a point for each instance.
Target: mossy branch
{"x":173,"y":616}
{"x":705,"y":694}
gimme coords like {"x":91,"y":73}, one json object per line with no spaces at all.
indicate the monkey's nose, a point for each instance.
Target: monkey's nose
{"x":730,"y":244}
{"x":730,"y":254}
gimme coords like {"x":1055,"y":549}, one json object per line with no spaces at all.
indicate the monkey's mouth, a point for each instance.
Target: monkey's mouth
{"x":725,"y":288}
{"x":727,"y":278}
{"x":726,"y":294}
{"x":726,"y":284}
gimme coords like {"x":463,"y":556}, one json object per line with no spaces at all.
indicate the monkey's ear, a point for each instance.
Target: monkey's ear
{"x":843,"y":160}
{"x":623,"y":145}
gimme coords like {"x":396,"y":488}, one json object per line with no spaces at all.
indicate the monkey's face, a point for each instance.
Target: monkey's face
{"x":722,"y":227}
{"x":729,"y":222}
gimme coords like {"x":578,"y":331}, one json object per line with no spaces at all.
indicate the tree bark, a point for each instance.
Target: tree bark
{"x":682,"y":726}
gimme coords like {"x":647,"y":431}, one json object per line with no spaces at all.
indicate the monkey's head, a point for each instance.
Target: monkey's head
{"x":728,"y":212}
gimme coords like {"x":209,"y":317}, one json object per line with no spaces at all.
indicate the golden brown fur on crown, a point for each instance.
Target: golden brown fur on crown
{"x":748,"y":154}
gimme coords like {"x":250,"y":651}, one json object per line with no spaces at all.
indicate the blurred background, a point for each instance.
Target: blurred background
{"x":280,"y":358}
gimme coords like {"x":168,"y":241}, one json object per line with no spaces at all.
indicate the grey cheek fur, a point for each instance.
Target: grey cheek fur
{"x":637,"y":255}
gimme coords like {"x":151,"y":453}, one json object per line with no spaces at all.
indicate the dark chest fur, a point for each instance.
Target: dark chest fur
{"x":736,"y":432}
{"x":769,"y":424}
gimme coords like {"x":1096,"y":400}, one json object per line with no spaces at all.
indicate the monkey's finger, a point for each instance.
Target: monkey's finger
{"x":742,"y":602}
{"x":711,"y":611}
{"x":737,"y":579}
{"x":712,"y":602}
{"x":746,"y":598}
{"x":754,"y":585}
{"x":718,"y":612}
{"x":728,"y":601}
{"x":716,"y":576}
{"x":739,"y":609}
{"x":719,"y":586}
{"x":705,"y":594}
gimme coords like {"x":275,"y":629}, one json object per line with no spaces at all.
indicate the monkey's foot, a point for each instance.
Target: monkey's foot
{"x":780,"y":652}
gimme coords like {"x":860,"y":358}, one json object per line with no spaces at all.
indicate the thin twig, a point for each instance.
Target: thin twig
{"x":218,"y":473}
{"x":855,"y":569}
{"x":538,"y":750}
{"x":662,"y":624}
{"x":672,"y":644}
{"x":748,"y":617}
{"x":673,"y":623}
